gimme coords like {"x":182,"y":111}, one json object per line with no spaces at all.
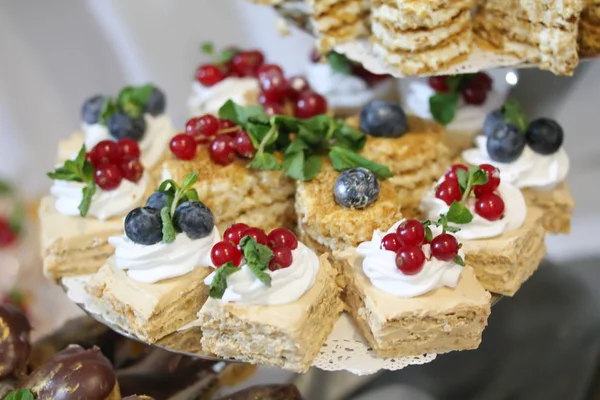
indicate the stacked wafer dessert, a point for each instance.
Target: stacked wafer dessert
{"x":336,"y":21}
{"x":589,"y":29}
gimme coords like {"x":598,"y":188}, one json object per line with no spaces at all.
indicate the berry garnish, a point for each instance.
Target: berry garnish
{"x":272,"y":109}
{"x":108,"y":176}
{"x":439,"y":83}
{"x":246,"y":63}
{"x":451,"y":172}
{"x":7,"y":235}
{"x":224,"y":252}
{"x":411,"y":232}
{"x":121,"y":125}
{"x":391,"y":242}
{"x":202,"y":128}
{"x":132,"y":170}
{"x":506,"y":143}
{"x":273,"y":84}
{"x":282,"y":237}
{"x":194,"y":219}
{"x":483,"y":80}
{"x":128,"y":149}
{"x":225,"y":124}
{"x":92,"y":108}
{"x":243,"y":145}
{"x":209,"y":75}
{"x":444,"y":247}
{"x":492,"y":121}
{"x":257,"y":234}
{"x":315,"y":56}
{"x":156,"y":103}
{"x":310,"y":104}
{"x":493,"y":182}
{"x":282,"y":258}
{"x":410,"y":260}
{"x":183,"y":146}
{"x":474,"y":94}
{"x":157,"y":200}
{"x":356,"y":188}
{"x":235,"y":233}
{"x":490,"y":206}
{"x":222,"y":150}
{"x":383,"y":119}
{"x":105,"y":152}
{"x":448,"y":191}
{"x":143,"y":225}
{"x":544,"y":136}
{"x":297,"y":85}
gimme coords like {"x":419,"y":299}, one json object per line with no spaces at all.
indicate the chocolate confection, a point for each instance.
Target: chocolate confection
{"x":14,"y":342}
{"x":137,"y":398}
{"x":74,"y":374}
{"x":266,"y":392}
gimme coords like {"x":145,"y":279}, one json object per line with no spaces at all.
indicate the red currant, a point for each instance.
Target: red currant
{"x":282,"y":258}
{"x":105,"y":152}
{"x":490,"y":206}
{"x":243,"y":145}
{"x":222,"y":150}
{"x":310,"y":104}
{"x":483,"y":80}
{"x":272,"y":82}
{"x":246,"y":63}
{"x":475,"y":95}
{"x":257,"y":234}
{"x":439,"y":83}
{"x":391,"y":242}
{"x":225,"y":124}
{"x":268,"y":70}
{"x":448,"y":191}
{"x":7,"y":235}
{"x":297,"y":85}
{"x":108,"y":176}
{"x":224,"y":252}
{"x":183,"y":146}
{"x":411,"y":232}
{"x":315,"y":56}
{"x":451,"y":172}
{"x":128,"y":149}
{"x":202,"y":128}
{"x":132,"y":170}
{"x":282,"y":237}
{"x":274,"y":109}
{"x":444,"y":247}
{"x":410,"y":260}
{"x":209,"y":75}
{"x":493,"y":182}
{"x":234,"y":233}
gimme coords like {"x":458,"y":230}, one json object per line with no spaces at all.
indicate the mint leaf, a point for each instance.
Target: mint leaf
{"x":443,"y":107}
{"x":309,"y":136}
{"x":20,"y":394}
{"x":257,"y":133}
{"x":17,"y":218}
{"x":339,"y":63}
{"x":319,"y":123}
{"x":189,"y":181}
{"x":88,"y":193}
{"x":350,"y":138}
{"x":428,"y":234}
{"x":297,"y":166}
{"x":514,"y":114}
{"x":133,"y":99}
{"x":477,"y":176}
{"x":168,"y":185}
{"x":343,"y":159}
{"x":452,"y":229}
{"x":454,"y":82}
{"x":207,"y":48}
{"x":312,"y":167}
{"x":168,"y":230}
{"x":257,"y":257}
{"x":459,"y":214}
{"x":192,"y":195}
{"x":463,"y":179}
{"x":225,"y":56}
{"x":296,"y":146}
{"x":219,"y":282}
{"x":109,"y":107}
{"x":233,"y":112}
{"x":264,"y":162}
{"x":64,"y":174}
{"x":261,"y":275}
{"x":458,"y":260}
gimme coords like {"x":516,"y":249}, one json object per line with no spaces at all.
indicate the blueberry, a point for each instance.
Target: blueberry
{"x":121,"y":125}
{"x":492,"y":120}
{"x":143,"y":225}
{"x":383,"y":119}
{"x":90,"y":112}
{"x":506,"y":143}
{"x":157,"y":200}
{"x":544,"y":136}
{"x":194,"y":219}
{"x":156,"y":102}
{"x":356,"y":188}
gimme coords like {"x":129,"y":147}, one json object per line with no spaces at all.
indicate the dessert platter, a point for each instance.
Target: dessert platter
{"x":408,"y":38}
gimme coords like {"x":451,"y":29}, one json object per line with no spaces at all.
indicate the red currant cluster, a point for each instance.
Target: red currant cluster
{"x":7,"y":235}
{"x":115,"y":161}
{"x":224,"y":139}
{"x":281,"y":241}
{"x":242,"y":64}
{"x":474,"y":91}
{"x":488,"y":204}
{"x":407,"y":243}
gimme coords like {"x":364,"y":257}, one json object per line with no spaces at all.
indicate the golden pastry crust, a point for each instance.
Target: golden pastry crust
{"x":423,"y":15}
{"x":335,"y":22}
{"x":557,"y":206}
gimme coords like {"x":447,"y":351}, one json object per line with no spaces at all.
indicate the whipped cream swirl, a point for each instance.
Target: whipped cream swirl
{"x":515,"y":212}
{"x":379,"y":266}
{"x":159,"y":131}
{"x":208,"y":100}
{"x":287,"y":284}
{"x":105,"y":204}
{"x":160,"y":261}
{"x":531,"y":169}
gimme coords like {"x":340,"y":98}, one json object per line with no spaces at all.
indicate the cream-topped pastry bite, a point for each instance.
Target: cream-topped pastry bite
{"x":409,"y":296}
{"x":88,"y":200}
{"x":273,"y":301}
{"x":502,"y":238}
{"x":530,"y":156}
{"x":153,"y":285}
{"x":136,"y":113}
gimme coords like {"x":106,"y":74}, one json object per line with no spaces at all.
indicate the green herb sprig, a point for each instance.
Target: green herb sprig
{"x":442,"y":222}
{"x":17,"y":216}
{"x":303,"y":142}
{"x":443,"y":106}
{"x":20,"y":394}
{"x":175,"y":196}
{"x":78,"y":170}
{"x":221,"y":58}
{"x":339,"y":63}
{"x":513,"y":113}
{"x":131,"y":99}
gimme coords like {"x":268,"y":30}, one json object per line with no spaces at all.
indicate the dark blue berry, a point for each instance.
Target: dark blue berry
{"x":383,"y":119}
{"x":143,"y":225}
{"x":157,"y":200}
{"x":90,"y":112}
{"x":356,"y":188}
{"x":544,"y":136}
{"x":194,"y":219}
{"x":506,"y":143}
{"x":156,"y":102}
{"x":493,"y":119}
{"x":121,"y":125}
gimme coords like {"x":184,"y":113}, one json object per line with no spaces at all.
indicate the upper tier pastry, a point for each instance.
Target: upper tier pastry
{"x":335,"y":22}
{"x":589,"y":29}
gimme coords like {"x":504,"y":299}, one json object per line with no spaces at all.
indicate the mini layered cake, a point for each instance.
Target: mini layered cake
{"x":530,"y":157}
{"x":589,"y":29}
{"x":421,"y":37}
{"x":88,"y":200}
{"x":335,"y":22}
{"x":154,"y":283}
{"x":502,"y":238}
{"x":272,"y":300}
{"x":409,"y":297}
